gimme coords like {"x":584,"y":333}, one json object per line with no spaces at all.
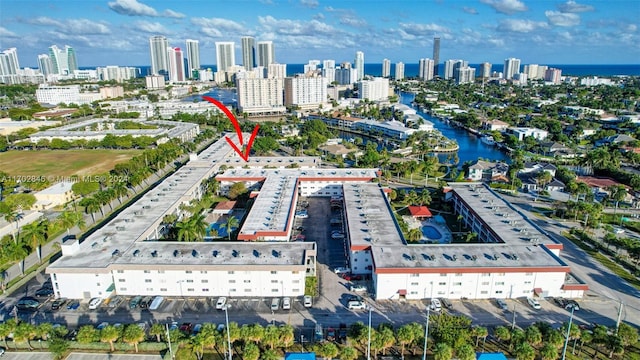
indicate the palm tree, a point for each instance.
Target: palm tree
{"x":533,"y":335}
{"x":524,"y":351}
{"x":405,"y":337}
{"x":271,"y":336}
{"x":387,"y":339}
{"x":414,"y":235}
{"x":7,"y":328}
{"x":133,"y":335}
{"x":157,"y":330}
{"x":348,"y":353}
{"x":250,"y":351}
{"x":109,"y":334}
{"x":479,"y":332}
{"x":198,"y":344}
{"x":442,"y":351}
{"x":87,"y":334}
{"x":36,"y":234}
{"x":231,"y":223}
{"x":69,"y":219}
{"x":287,"y":336}
{"x":44,"y":330}
{"x":466,"y":352}
{"x":272,"y":355}
{"x":424,"y":198}
{"x":25,"y":332}
{"x":329,"y":350}
{"x":549,"y":352}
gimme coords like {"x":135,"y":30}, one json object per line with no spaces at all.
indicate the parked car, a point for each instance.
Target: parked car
{"x":340,"y":270}
{"x":173,"y":325}
{"x":342,"y":332}
{"x":275,"y":304}
{"x":145,"y":302}
{"x":220,"y":328}
{"x":308,"y":301}
{"x":302,"y":214}
{"x":435,"y":305}
{"x":572,"y":304}
{"x":102,"y":325}
{"x":186,"y":327}
{"x":446,"y":303}
{"x":500,"y":303}
{"x":356,"y":305}
{"x":352,"y":277}
{"x":116,"y":301}
{"x":222,"y":301}
{"x":534,"y":303}
{"x":135,"y":302}
{"x":44,"y":292}
{"x":73,"y":305}
{"x":94,"y":303}
{"x":28,"y":303}
{"x":337,"y":236}
{"x":58,"y":303}
{"x":560,"y":302}
{"x":355,"y":298}
{"x":286,"y":303}
{"x":196,"y":329}
{"x":357,"y":288}
{"x":331,"y":334}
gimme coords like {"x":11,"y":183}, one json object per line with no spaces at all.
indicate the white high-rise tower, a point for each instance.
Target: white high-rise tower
{"x":386,"y":68}
{"x":266,"y":53}
{"x":158,"y":47}
{"x":225,"y":55}
{"x":193,"y":57}
{"x":359,"y":64}
{"x":248,"y":52}
{"x":176,"y":65}
{"x":511,"y":67}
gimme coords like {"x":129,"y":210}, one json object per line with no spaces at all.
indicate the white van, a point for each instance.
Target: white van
{"x":356,"y":305}
{"x":155,"y":304}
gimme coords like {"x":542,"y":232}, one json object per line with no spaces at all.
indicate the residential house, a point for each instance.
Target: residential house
{"x":495,"y":125}
{"x":522,"y":132}
{"x":486,"y":171}
{"x":615,"y":140}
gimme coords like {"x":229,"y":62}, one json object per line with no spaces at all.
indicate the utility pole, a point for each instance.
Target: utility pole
{"x":369,"y":340}
{"x":566,"y":341}
{"x":619,"y":316}
{"x":513,"y":322}
{"x":426,"y":334}
{"x":226,"y":318}
{"x":169,"y":340}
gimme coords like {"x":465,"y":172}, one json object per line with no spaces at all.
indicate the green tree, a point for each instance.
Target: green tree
{"x":466,"y":352}
{"x":87,"y":334}
{"x":133,"y":335}
{"x":442,"y":351}
{"x":479,"y":332}
{"x":628,"y":335}
{"x":7,"y":328}
{"x":549,"y":352}
{"x":270,"y":354}
{"x":524,"y":351}
{"x":251,"y":351}
{"x":36,"y":234}
{"x":451,"y":330}
{"x":414,"y":235}
{"x":157,"y":330}
{"x":236,"y":190}
{"x":198,"y":343}
{"x":24,"y":332}
{"x":405,"y":336}
{"x":348,"y":353}
{"x":271,"y":336}
{"x":502,"y":333}
{"x":329,"y":350}
{"x":109,"y":334}
{"x":533,"y":335}
{"x":231,"y":224}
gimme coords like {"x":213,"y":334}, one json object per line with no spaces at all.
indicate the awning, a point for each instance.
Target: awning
{"x":111,"y":287}
{"x":537,"y":291}
{"x":402,"y":292}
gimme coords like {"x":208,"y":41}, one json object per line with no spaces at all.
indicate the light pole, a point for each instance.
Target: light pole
{"x":369,"y":340}
{"x":566,"y":341}
{"x":513,"y":322}
{"x":169,"y":340}
{"x":426,"y":334}
{"x":226,"y":318}
{"x":302,"y":341}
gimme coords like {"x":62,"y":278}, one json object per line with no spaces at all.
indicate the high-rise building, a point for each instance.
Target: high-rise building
{"x":329,"y":70}
{"x":312,"y":66}
{"x":266,"y":53}
{"x":261,"y":95}
{"x":45,"y":65}
{"x":158,"y":46}
{"x":464,"y":75}
{"x":400,"y":71}
{"x":225,"y":55}
{"x":116,"y":73}
{"x":386,"y":68}
{"x":359,"y":64}
{"x":553,"y":75}
{"x":511,"y":67}
{"x":248,"y":52}
{"x":425,"y":71}
{"x":277,"y":71}
{"x":193,"y":57}
{"x":373,"y":90}
{"x":9,"y":64}
{"x":486,"y":70}
{"x":531,"y":70}
{"x":63,"y":62}
{"x":305,"y":91}
{"x":436,"y":55}
{"x":542,"y":71}
{"x":346,"y":75}
{"x":451,"y":65}
{"x":176,"y":65}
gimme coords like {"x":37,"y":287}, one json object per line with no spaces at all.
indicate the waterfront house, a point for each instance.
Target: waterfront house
{"x":485,"y":171}
{"x":495,"y":125}
{"x":532,"y":167}
{"x":522,"y":132}
{"x":391,"y":129}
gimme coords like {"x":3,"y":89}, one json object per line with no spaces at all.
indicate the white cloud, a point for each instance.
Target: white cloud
{"x":520,"y":25}
{"x":565,"y":35}
{"x":44,"y":21}
{"x":132,"y":8}
{"x":310,"y":3}
{"x":86,"y":27}
{"x":631,"y":28}
{"x":420,"y":30}
{"x":296,"y":27}
{"x":573,"y":7}
{"x":352,"y":21}
{"x":217,"y":24}
{"x":506,"y":6}
{"x":173,"y":14}
{"x":470,"y":10}
{"x":150,"y":27}
{"x":7,"y":33}
{"x":562,"y":19}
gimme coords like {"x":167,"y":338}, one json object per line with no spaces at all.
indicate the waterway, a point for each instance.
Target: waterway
{"x":471,"y":148}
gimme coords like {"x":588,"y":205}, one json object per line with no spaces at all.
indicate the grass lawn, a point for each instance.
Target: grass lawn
{"x":61,"y":163}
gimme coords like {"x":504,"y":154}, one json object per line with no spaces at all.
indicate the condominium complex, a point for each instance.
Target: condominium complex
{"x":450,"y":67}
{"x":425,"y":69}
{"x":399,"y":71}
{"x":464,"y":75}
{"x":511,"y":68}
{"x":386,"y":68}
{"x":176,"y":65}
{"x":193,"y":57}
{"x":374,"y":89}
{"x":485,"y":70}
{"x":158,"y":47}
{"x":359,"y":64}
{"x":116,"y":73}
{"x":225,"y":55}
{"x":265,"y":53}
{"x":63,"y":61}
{"x":436,"y":55}
{"x":261,"y":96}
{"x":248,"y":52}
{"x":305,"y":92}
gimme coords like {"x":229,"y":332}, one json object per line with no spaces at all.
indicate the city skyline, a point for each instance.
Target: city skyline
{"x":560,"y":32}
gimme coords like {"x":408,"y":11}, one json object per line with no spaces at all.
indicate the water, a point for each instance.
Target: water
{"x":471,"y":148}
{"x":225,"y":96}
{"x":431,"y":232}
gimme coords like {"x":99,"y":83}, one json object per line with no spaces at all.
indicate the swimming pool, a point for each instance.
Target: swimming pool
{"x":220,"y":230}
{"x":431,"y":232}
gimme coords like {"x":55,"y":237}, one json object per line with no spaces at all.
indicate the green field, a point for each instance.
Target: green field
{"x":61,"y":163}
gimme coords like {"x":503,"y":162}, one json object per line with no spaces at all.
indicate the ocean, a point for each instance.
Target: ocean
{"x":411,"y":70}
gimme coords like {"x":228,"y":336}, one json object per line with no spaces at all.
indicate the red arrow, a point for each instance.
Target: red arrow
{"x":244,"y":155}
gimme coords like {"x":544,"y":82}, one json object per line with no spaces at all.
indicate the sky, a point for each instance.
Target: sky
{"x":117,"y":32}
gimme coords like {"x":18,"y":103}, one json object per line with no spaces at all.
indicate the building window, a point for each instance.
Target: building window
{"x":457,"y":284}
{"x":484,"y":292}
{"x":190,"y":289}
{"x":486,"y":274}
{"x":295,"y":272}
{"x":296,"y":281}
{"x":147,"y":280}
{"x":442,"y":283}
{"x":526,"y":291}
{"x":501,"y":274}
{"x":458,"y":274}
{"x":122,"y":280}
{"x":440,"y":292}
{"x":188,"y":272}
{"x":528,"y":274}
{"x":274,"y":281}
{"x":485,"y":283}
{"x":204,"y":281}
{"x":247,"y":290}
{"x":160,"y":271}
{"x":414,"y":284}
{"x":247,"y":281}
{"x":189,"y":280}
{"x":149,"y":289}
{"x":414,"y":275}
{"x":203,"y":271}
{"x":274,"y":290}
{"x":443,"y":275}
{"x":230,"y":272}
{"x":147,"y":271}
{"x":499,"y":283}
{"x":205,"y":290}
{"x":498,"y":291}
{"x":274,"y":272}
{"x":119,"y":272}
{"x":527,"y":282}
{"x":232,"y":281}
{"x":163,"y":289}
{"x":123,"y":289}
{"x":414,"y":293}
{"x":232,"y":290}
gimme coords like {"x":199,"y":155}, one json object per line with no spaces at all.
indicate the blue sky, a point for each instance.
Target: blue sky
{"x":116,"y":32}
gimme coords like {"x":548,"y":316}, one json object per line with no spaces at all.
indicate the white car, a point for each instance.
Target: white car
{"x":286,"y":303}
{"x":435,"y":305}
{"x":222,"y":301}
{"x":302,"y":215}
{"x":357,"y":288}
{"x":340,"y":270}
{"x":308,"y":301}
{"x":94,"y":303}
{"x":337,"y":236}
{"x":275,"y":304}
{"x":356,"y":305}
{"x":534,"y":303}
